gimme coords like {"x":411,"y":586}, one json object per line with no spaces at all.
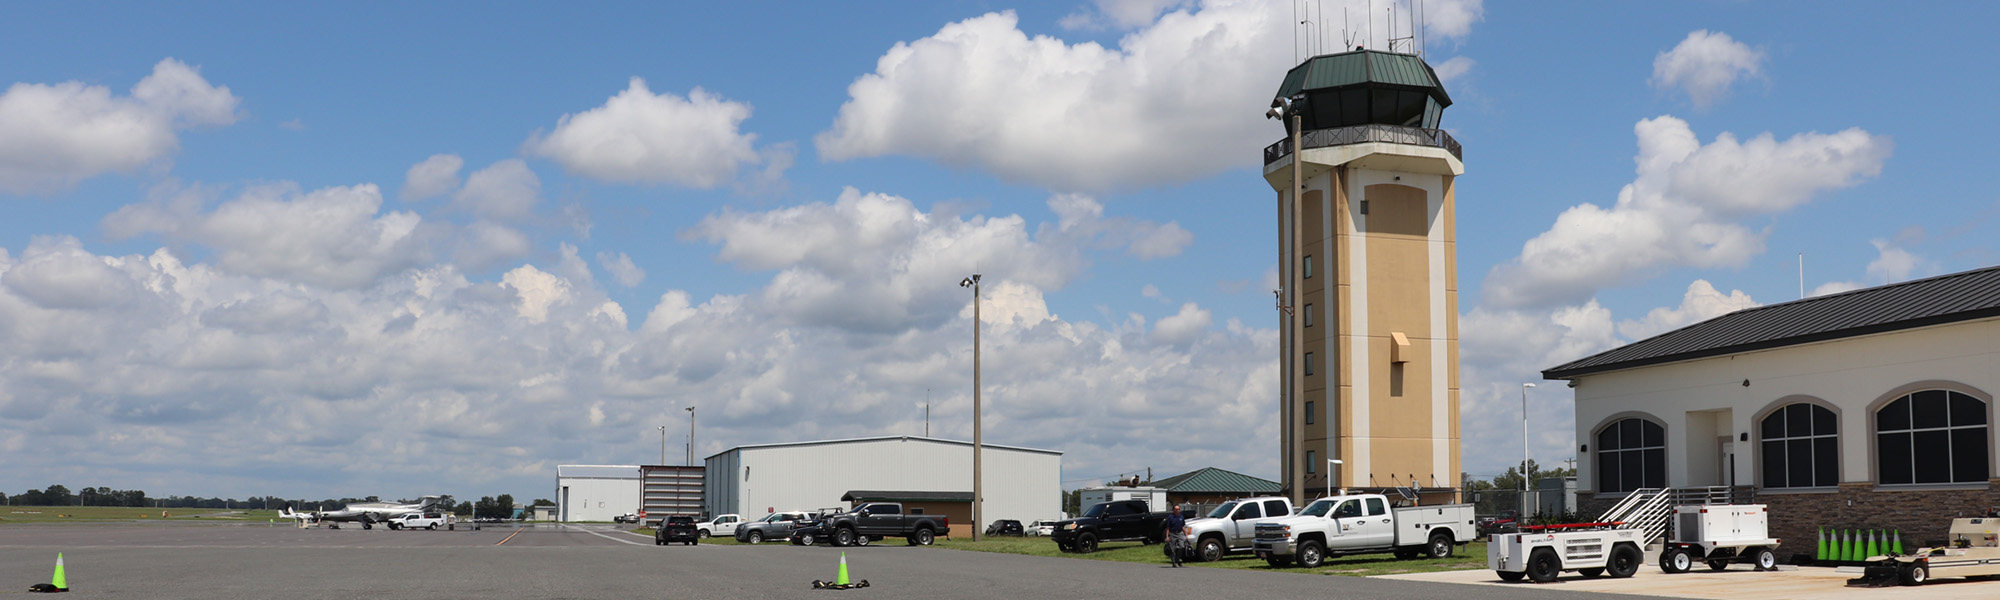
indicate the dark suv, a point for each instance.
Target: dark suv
{"x":677,"y":528}
{"x":1005,"y":527}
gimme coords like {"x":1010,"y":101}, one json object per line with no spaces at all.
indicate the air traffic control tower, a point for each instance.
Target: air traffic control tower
{"x":1368,"y":260}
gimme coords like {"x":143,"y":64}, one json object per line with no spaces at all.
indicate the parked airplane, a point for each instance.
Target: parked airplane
{"x":365,"y":513}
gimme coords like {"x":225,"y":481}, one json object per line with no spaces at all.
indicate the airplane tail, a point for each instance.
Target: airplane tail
{"x":426,"y":503}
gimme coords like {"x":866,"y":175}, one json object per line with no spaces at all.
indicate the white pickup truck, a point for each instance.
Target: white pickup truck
{"x":1233,"y":526}
{"x":1363,"y":524}
{"x":429,"y":521}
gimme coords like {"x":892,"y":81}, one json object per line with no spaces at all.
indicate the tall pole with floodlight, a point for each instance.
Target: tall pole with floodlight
{"x":977,"y":498}
{"x":690,"y":450}
{"x":1522,"y":518}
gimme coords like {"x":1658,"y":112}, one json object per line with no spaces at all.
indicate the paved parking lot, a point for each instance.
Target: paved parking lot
{"x":237,"y":562}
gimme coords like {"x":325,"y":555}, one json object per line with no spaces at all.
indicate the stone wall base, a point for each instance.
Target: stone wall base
{"x":1922,"y":516}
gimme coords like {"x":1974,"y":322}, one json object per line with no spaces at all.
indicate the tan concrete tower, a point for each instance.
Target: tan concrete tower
{"x":1368,"y":261}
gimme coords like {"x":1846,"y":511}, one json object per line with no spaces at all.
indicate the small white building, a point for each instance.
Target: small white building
{"x":596,"y":492}
{"x":1019,"y":483}
{"x":1870,"y":409}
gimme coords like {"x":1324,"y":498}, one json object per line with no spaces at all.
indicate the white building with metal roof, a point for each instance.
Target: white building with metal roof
{"x":596,"y":492}
{"x":752,"y":480}
{"x":1863,"y":410}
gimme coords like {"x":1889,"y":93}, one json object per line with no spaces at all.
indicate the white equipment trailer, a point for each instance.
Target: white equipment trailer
{"x":1720,"y":534}
{"x":1973,"y":551}
{"x":1541,"y":552}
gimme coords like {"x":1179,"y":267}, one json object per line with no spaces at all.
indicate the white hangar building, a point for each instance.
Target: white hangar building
{"x":1020,"y":483}
{"x":1869,"y":409}
{"x":596,"y":492}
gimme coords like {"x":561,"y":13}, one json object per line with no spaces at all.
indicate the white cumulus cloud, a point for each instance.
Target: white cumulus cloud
{"x":334,"y":237}
{"x":1684,"y":208}
{"x":435,"y":176}
{"x":1705,"y":65}
{"x":641,"y":137}
{"x":621,"y":268}
{"x":507,"y":190}
{"x":52,"y":136}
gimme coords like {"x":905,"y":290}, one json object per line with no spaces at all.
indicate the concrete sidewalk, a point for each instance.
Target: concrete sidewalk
{"x":1740,"y":582}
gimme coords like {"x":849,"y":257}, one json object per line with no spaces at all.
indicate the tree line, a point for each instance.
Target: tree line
{"x":501,"y":506}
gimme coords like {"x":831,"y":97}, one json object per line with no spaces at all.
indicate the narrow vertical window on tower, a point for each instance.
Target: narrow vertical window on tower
{"x":1312,"y":461}
{"x":1309,"y":363}
{"x":1309,"y":315}
{"x":1309,"y":266}
{"x":1309,"y":413}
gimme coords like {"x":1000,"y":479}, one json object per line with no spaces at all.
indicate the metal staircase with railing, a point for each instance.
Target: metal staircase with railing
{"x":1651,"y":510}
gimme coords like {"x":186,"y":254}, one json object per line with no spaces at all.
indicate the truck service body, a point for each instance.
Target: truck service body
{"x":1362,"y":524}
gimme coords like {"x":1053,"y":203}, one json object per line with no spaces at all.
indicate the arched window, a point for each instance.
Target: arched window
{"x":1631,"y":454}
{"x":1801,"y":447}
{"x":1931,"y":436}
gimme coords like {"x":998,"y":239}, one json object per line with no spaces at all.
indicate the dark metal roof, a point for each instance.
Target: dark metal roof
{"x":1363,"y":67}
{"x":1908,"y":305}
{"x":1210,"y":480}
{"x":868,"y":496}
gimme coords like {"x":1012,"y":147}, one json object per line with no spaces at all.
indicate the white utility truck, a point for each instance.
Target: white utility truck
{"x":1155,"y":497}
{"x":1973,"y":550}
{"x":1541,"y":552}
{"x":1362,"y":524}
{"x":1720,"y":534}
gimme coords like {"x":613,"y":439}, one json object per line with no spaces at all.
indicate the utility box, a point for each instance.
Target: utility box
{"x":1155,"y":498}
{"x":1975,"y":533}
{"x":1721,"y":523}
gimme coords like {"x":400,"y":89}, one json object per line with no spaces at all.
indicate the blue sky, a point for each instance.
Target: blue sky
{"x":257,"y":249}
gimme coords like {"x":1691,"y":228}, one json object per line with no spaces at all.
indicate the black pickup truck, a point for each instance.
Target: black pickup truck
{"x":1110,"y":521}
{"x":877,"y":520}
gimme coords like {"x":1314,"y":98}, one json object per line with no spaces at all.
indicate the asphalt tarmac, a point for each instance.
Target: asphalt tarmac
{"x":245,"y":562}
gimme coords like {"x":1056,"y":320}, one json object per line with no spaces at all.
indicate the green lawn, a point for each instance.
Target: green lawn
{"x":1469,"y":556}
{"x":90,"y":514}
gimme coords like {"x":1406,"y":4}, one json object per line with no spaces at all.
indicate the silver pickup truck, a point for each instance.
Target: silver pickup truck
{"x":1232,"y":527}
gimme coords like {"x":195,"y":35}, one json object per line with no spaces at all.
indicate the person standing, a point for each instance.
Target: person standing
{"x":1175,"y":535}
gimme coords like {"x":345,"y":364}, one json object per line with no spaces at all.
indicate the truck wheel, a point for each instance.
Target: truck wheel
{"x":1511,"y":575}
{"x":701,"y":534}
{"x":1440,"y":546}
{"x":1765,"y":559}
{"x":1544,"y":566}
{"x":1278,"y":563}
{"x":1086,"y":543}
{"x":432,"y":527}
{"x":1675,"y":560}
{"x":923,"y":537}
{"x":1914,"y":573}
{"x":1625,"y":561}
{"x":1210,"y":550}
{"x":1590,"y":573}
{"x":756,"y":537}
{"x":843,"y":537}
{"x":1311,"y":555}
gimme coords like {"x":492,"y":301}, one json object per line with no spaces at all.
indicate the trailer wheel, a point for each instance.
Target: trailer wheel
{"x":1590,"y":573}
{"x":1511,"y":575}
{"x":1544,"y":565}
{"x":1310,"y":555}
{"x":1766,"y":559}
{"x":1440,"y":546}
{"x":1914,"y":573}
{"x":1717,"y":564}
{"x":1625,"y":561}
{"x":1675,"y":560}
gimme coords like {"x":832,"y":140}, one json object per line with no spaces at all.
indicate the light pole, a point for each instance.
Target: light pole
{"x":973,"y":282}
{"x":1329,"y":475}
{"x":663,"y":444}
{"x":1293,"y":439}
{"x":690,"y":449}
{"x":1522,"y":518}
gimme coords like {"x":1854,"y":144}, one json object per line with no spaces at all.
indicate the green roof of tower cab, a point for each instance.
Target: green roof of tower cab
{"x":1366,"y":87}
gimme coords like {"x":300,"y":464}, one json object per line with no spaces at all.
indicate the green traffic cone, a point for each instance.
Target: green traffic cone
{"x":61,"y":581}
{"x":1840,"y":545}
{"x":1821,"y":553}
{"x":1898,"y":544}
{"x":1872,"y":549}
{"x":841,"y":579}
